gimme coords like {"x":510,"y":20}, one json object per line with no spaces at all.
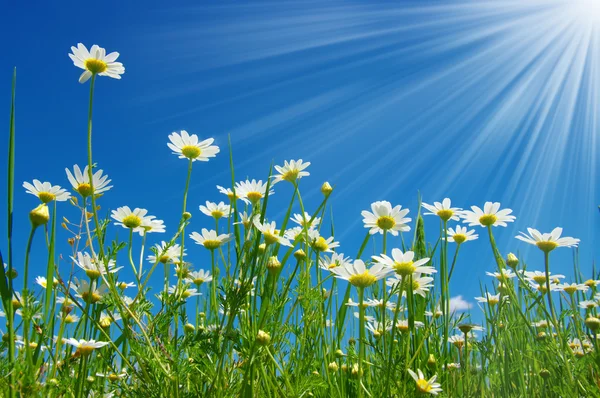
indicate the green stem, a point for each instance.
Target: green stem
{"x":362,"y":347}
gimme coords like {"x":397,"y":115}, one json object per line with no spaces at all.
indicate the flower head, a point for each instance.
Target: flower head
{"x":442,"y":210}
{"x":270,"y":233}
{"x":384,"y":218}
{"x":358,"y":275}
{"x":336,"y":260}
{"x":165,"y":255}
{"x":404,"y":264}
{"x":210,"y":239}
{"x":216,"y":210}
{"x":252,"y":191}
{"x":291,"y":171}
{"x":187,"y":146}
{"x":548,"y":241}
{"x":46,"y":192}
{"x":128,"y":218}
{"x":319,"y":243}
{"x":85,"y":347}
{"x":96,"y":62}
{"x":305,"y":220}
{"x":461,"y":235}
{"x":491,"y":215}
{"x":199,"y":277}
{"x":92,"y":267}
{"x":424,"y":385}
{"x":81,"y":181}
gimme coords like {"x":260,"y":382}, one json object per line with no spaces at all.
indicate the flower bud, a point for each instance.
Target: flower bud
{"x":189,"y":328}
{"x":39,"y":215}
{"x":273,"y":264}
{"x":544,"y":373}
{"x":593,"y":323}
{"x":262,"y":247}
{"x":299,"y":255}
{"x":512,"y":261}
{"x":187,"y":215}
{"x":263,"y":338}
{"x":333,"y":367}
{"x":326,"y":189}
{"x":339,"y":353}
{"x":12,"y":274}
{"x":431,"y":361}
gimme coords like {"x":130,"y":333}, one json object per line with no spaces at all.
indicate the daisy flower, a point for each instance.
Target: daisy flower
{"x":458,"y":340}
{"x":403,"y":326}
{"x":378,"y":328}
{"x":423,"y":385}
{"x":81,"y":181}
{"x":187,"y":146}
{"x":336,"y":260}
{"x":252,"y":191}
{"x":442,"y":210}
{"x":588,"y":304}
{"x":271,"y":234}
{"x":571,"y":288}
{"x":384,"y":218}
{"x":548,"y":241}
{"x":504,"y":274}
{"x":164,"y":254}
{"x":89,"y":293}
{"x":92,"y":267}
{"x":403,"y":263}
{"x":128,"y":218}
{"x":358,"y":274}
{"x":40,"y":280}
{"x":85,"y":347}
{"x":490,"y":299}
{"x":491,"y":215}
{"x":540,"y":277}
{"x":185,"y":292}
{"x":420,"y":284}
{"x":210,"y":239}
{"x":305,"y":220}
{"x":291,"y":171}
{"x":319,"y":243}
{"x":150,"y":224}
{"x":96,"y":62}
{"x":247,"y":220}
{"x":46,"y":192}
{"x":216,"y":210}
{"x":106,"y":319}
{"x":228,"y":192}
{"x":461,"y":235}
{"x":199,"y":277}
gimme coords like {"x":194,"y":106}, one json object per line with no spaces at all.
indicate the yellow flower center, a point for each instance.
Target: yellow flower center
{"x":231,"y":196}
{"x":217,"y":214}
{"x":198,"y":281}
{"x":212,"y":244}
{"x":423,"y":385}
{"x":85,"y":350}
{"x":363,"y":280}
{"x":69,"y":319}
{"x":132,"y":221}
{"x":386,"y":222}
{"x":540,"y":279}
{"x":16,"y":304}
{"x":416,"y":285}
{"x":488,"y":219}
{"x":186,"y":294}
{"x":590,"y":283}
{"x":92,"y":273}
{"x":333,"y":265}
{"x":254,"y":196}
{"x":493,"y":301}
{"x":271,"y":238}
{"x":405,"y":268}
{"x":164,"y":259}
{"x":445,"y":214}
{"x":570,"y":289}
{"x":92,"y":298}
{"x":84,"y":189}
{"x":458,"y":343}
{"x":547,"y":246}
{"x":291,"y":175}
{"x":46,"y":197}
{"x":105,"y":322}
{"x":402,"y":327}
{"x":95,"y":65}
{"x":191,"y":151}
{"x":113,"y":377}
{"x":320,"y":244}
{"x":459,"y":238}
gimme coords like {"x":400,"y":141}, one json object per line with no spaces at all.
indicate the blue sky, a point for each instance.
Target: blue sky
{"x":470,"y":100}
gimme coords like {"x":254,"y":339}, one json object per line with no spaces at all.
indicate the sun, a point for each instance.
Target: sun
{"x":586,"y":9}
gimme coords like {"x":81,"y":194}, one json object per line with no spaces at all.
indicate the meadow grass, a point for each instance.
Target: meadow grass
{"x":278,"y":300}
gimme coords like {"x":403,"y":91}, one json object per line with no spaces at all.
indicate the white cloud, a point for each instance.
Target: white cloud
{"x":458,"y":303}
